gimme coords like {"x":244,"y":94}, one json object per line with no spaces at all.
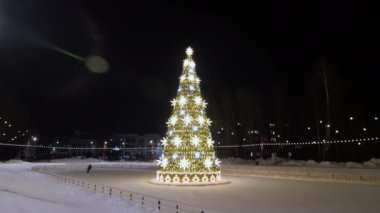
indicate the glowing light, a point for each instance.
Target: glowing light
{"x":198,"y":100}
{"x":184,"y":163}
{"x":217,"y":162}
{"x":175,"y":156}
{"x":351,"y":118}
{"x":182,"y":100}
{"x":187,"y":120}
{"x":201,"y":120}
{"x":189,"y":137}
{"x":192,"y":65}
{"x":164,"y":141}
{"x":208,"y":163}
{"x":210,"y":142}
{"x":189,"y":51}
{"x":364,"y":129}
{"x":197,"y":155}
{"x":204,"y":104}
{"x":177,"y":141}
{"x":208,"y":121}
{"x":186,"y":63}
{"x":173,"y":102}
{"x":97,"y":64}
{"x":195,"y":141}
{"x":173,"y":120}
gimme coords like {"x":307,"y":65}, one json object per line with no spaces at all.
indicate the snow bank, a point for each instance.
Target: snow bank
{"x":75,"y":159}
{"x":22,"y":190}
{"x":354,"y":164}
{"x":372,"y":163}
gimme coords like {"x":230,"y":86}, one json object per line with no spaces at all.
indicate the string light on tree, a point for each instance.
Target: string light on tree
{"x":188,"y":147}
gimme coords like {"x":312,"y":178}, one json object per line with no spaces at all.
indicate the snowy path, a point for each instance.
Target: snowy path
{"x":245,"y":194}
{"x":24,"y":191}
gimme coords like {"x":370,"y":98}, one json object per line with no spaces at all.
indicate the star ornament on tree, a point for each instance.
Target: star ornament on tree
{"x":182,"y":101}
{"x":189,"y":51}
{"x":177,"y":141}
{"x":198,"y":100}
{"x":217,"y":162}
{"x":182,"y":78}
{"x":208,"y":163}
{"x":173,"y":120}
{"x":201,"y":120}
{"x":173,"y":102}
{"x":164,"y":141}
{"x":208,"y":121}
{"x":187,"y":120}
{"x":195,"y":141}
{"x":184,"y":163}
{"x":163,"y":162}
{"x":210,"y":142}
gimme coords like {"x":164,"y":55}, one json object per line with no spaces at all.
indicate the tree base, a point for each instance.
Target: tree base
{"x":220,"y":182}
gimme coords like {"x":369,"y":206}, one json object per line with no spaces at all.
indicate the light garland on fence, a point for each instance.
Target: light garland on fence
{"x":220,"y":146}
{"x":76,"y":148}
{"x":301,"y":143}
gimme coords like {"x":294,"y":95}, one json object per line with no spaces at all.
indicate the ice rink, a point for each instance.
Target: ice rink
{"x":243,"y":194}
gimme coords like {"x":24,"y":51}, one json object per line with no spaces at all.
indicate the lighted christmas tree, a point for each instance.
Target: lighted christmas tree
{"x":188,"y":154}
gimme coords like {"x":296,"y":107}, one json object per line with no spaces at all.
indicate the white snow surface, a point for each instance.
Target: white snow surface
{"x":22,"y":190}
{"x":25,"y":191}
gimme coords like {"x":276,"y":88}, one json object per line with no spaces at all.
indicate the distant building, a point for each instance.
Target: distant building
{"x":136,"y":147}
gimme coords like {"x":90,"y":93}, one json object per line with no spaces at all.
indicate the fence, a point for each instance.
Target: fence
{"x":348,"y":178}
{"x":145,"y":201}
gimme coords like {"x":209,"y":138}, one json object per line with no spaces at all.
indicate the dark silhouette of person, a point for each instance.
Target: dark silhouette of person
{"x":89,"y":168}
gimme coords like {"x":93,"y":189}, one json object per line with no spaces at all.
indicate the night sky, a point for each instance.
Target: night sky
{"x":267,"y":46}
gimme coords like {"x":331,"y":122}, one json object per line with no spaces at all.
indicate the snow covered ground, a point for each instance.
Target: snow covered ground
{"x":244,"y":194}
{"x":25,"y":191}
{"x":22,"y":190}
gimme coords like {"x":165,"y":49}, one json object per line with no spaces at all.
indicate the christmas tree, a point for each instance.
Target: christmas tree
{"x":188,"y":155}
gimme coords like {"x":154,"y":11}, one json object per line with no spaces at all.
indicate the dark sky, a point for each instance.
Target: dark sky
{"x":265,"y":45}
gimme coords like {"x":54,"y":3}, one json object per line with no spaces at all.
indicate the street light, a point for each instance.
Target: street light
{"x":27,"y":146}
{"x":104,"y":148}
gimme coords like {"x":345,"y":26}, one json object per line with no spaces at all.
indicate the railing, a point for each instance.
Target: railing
{"x":348,"y":178}
{"x":145,"y":201}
